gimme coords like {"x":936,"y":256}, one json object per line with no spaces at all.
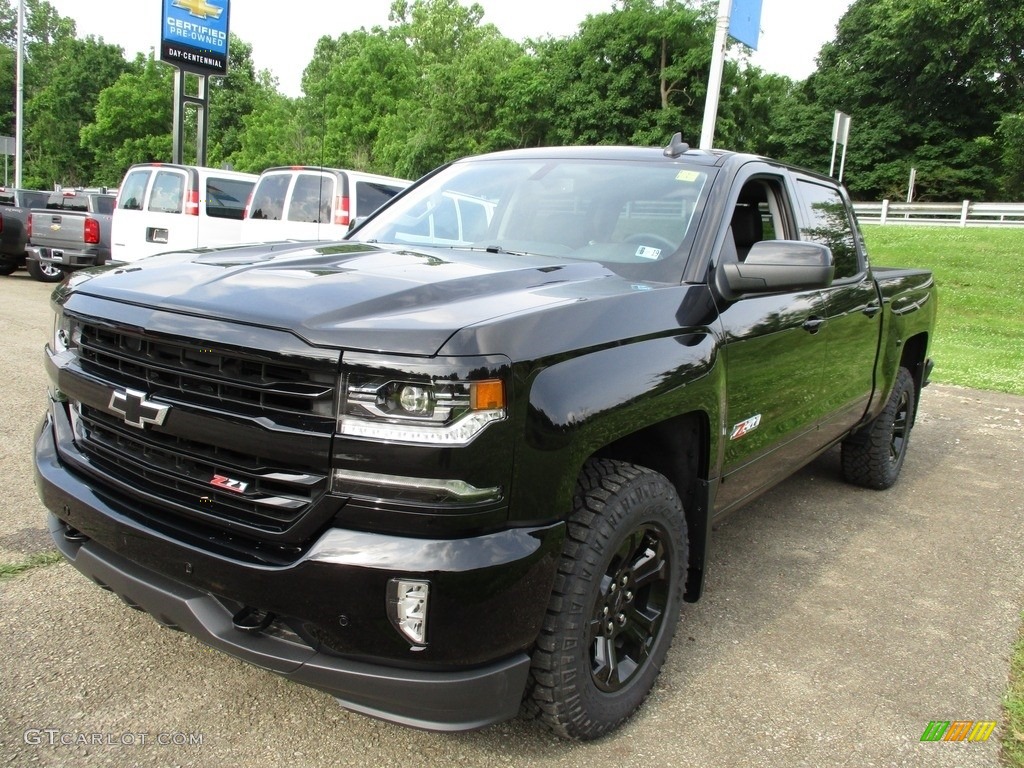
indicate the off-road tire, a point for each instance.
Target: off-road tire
{"x":615,"y":604}
{"x":873,"y":456}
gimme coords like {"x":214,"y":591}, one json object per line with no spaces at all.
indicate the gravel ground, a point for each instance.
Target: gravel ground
{"x":837,"y":622}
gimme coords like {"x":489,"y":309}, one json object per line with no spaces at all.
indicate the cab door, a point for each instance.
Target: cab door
{"x":774,"y":352}
{"x":852,"y":308}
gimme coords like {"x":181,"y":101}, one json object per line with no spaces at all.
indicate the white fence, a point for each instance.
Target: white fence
{"x":965,"y":214}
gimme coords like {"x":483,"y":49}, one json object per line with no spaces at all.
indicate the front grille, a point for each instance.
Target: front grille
{"x":251,"y":491}
{"x":204,"y":374}
{"x":244,"y":447}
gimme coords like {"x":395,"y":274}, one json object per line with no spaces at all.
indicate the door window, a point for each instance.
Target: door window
{"x":168,"y":193}
{"x":830,"y":225}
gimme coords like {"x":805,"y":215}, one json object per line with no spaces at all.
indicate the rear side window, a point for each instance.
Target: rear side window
{"x":133,"y":191}
{"x":168,"y":192}
{"x":225,"y":198}
{"x":104,"y":205}
{"x":372,"y":195}
{"x":311,"y":198}
{"x":830,"y":225}
{"x":268,"y":199}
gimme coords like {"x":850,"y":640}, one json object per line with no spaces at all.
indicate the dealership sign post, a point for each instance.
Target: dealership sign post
{"x":194,"y":39}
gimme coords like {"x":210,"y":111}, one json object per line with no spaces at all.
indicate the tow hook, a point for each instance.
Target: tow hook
{"x":252,"y":620}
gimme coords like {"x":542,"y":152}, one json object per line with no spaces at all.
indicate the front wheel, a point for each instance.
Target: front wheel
{"x":44,"y":273}
{"x":616,"y":601}
{"x":873,"y":456}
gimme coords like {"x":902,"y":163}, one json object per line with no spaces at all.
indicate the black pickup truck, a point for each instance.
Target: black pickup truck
{"x":469,"y":459}
{"x":15,"y":208}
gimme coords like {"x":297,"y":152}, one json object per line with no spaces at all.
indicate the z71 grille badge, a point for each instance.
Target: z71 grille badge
{"x":132,"y":406}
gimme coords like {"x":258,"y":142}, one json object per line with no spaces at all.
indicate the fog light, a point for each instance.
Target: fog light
{"x":407,"y":608}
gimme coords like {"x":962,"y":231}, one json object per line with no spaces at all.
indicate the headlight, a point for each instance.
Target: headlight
{"x":66,"y":334}
{"x":424,"y":406}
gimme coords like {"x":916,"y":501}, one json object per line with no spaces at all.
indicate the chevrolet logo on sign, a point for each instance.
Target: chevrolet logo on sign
{"x":132,"y":406}
{"x":201,"y":9}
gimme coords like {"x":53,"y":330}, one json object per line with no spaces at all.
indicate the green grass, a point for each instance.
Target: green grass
{"x":1013,"y":737}
{"x":979,"y":338}
{"x":7,"y":570}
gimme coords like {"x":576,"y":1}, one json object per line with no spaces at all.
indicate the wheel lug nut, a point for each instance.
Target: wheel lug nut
{"x":611,"y":627}
{"x":621,"y":618}
{"x":625,"y":580}
{"x":629,"y":597}
{"x":614,"y":588}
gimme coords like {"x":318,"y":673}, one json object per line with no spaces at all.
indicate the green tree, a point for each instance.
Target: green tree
{"x":272,"y":135}
{"x":79,"y":71}
{"x":925,"y":82}
{"x":233,"y":99}
{"x":133,"y":121}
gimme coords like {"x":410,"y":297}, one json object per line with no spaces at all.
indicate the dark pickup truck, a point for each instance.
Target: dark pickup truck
{"x":469,"y":459}
{"x":71,"y":233}
{"x":15,"y":208}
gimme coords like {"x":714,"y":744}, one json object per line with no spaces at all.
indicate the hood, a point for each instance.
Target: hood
{"x":349,"y":295}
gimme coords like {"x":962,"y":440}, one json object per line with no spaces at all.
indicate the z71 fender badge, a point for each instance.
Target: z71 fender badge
{"x":748,"y":425}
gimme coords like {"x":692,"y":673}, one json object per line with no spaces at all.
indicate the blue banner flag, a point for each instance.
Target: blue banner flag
{"x":745,"y":22}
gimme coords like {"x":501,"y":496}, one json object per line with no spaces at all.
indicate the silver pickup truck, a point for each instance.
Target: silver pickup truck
{"x":72,"y":232}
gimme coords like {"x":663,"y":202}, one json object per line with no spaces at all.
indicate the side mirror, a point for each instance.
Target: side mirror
{"x":773,"y":266}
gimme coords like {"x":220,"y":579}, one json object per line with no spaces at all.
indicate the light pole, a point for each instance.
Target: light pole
{"x":19,"y":128}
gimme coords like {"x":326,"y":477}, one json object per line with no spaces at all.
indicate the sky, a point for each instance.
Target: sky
{"x":792,"y":31}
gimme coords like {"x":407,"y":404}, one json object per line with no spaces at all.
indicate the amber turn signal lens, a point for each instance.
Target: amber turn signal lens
{"x":487,"y":395}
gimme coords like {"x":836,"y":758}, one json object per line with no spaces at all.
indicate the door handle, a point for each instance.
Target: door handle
{"x":872,"y":309}
{"x":813,"y":324}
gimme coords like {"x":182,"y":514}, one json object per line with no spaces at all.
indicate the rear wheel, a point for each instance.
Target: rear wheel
{"x":873,"y":456}
{"x":7,"y":267}
{"x":44,"y":273}
{"x":616,"y":601}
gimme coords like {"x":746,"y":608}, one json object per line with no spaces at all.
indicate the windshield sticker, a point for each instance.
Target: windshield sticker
{"x":688,"y":176}
{"x":645,"y":252}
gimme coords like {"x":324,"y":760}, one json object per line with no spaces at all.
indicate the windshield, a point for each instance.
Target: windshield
{"x":611,"y":211}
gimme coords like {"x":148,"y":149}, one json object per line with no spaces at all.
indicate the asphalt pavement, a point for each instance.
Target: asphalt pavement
{"x":836,"y":624}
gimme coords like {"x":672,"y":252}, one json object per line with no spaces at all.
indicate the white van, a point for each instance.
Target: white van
{"x":163,"y":207}
{"x":313,"y":203}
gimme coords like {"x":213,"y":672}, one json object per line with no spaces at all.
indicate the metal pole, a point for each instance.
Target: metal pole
{"x":842,"y":164}
{"x":178,"y":142}
{"x":707,"y":134}
{"x":19,"y":131}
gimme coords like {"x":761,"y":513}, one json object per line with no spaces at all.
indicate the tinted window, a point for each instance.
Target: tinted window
{"x":34,"y":199}
{"x":371,"y":195}
{"x":268,"y":199}
{"x":69,"y":202}
{"x":225,"y":198}
{"x":311,"y":198}
{"x":168,"y":192}
{"x":104,"y":204}
{"x":133,"y":190}
{"x":831,"y":226}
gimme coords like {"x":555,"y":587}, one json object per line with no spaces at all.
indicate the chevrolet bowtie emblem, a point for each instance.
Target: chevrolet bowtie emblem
{"x":201,"y":9}
{"x":136,"y":410}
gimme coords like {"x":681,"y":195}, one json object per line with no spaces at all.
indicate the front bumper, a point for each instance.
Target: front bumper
{"x":491,"y":590}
